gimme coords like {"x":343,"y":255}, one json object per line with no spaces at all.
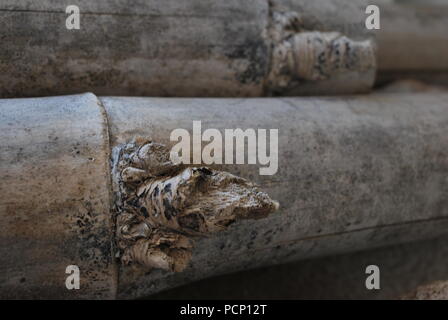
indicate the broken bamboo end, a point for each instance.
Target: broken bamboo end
{"x":162,"y":207}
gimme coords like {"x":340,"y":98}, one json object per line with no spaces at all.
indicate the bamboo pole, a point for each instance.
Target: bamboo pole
{"x":166,"y":48}
{"x":354,"y":173}
{"x":221,"y":49}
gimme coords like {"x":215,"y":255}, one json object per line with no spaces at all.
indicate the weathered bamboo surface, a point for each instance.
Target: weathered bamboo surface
{"x":157,"y":48}
{"x":153,"y":47}
{"x":202,"y":48}
{"x":54,"y":204}
{"x":412,"y":34}
{"x":354,"y":173}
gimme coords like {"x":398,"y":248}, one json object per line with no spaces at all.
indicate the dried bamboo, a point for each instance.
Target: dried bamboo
{"x":354,"y":173}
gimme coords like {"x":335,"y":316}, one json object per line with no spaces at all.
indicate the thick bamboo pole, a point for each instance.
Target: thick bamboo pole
{"x":353,"y":173}
{"x":203,"y":49}
{"x":171,"y":48}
